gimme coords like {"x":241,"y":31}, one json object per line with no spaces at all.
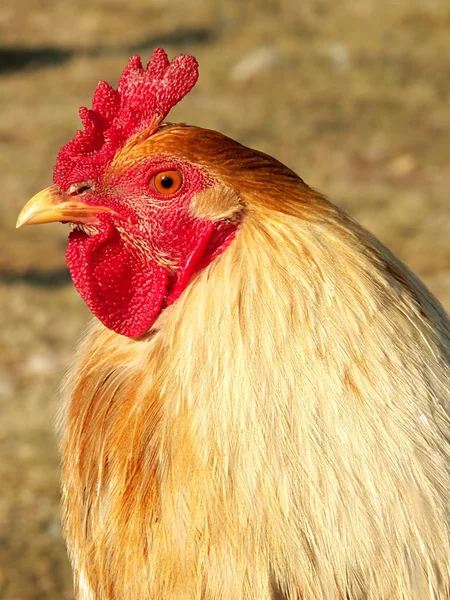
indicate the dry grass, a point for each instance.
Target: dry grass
{"x":353,"y":95}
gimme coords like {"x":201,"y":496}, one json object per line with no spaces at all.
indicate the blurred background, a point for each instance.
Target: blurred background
{"x":353,"y":95}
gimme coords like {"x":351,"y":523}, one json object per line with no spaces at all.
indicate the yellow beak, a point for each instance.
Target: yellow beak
{"x":52,"y":205}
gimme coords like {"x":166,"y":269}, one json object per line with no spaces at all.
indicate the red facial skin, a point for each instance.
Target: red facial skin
{"x":143,"y":255}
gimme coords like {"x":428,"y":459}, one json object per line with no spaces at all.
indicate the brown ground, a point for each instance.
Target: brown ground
{"x":353,"y":95}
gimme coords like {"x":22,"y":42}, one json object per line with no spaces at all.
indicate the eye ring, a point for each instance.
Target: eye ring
{"x":167,"y":183}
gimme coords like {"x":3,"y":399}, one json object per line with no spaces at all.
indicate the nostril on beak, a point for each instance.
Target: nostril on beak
{"x":76,"y":189}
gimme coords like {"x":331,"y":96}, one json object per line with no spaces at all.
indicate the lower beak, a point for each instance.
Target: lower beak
{"x":52,"y":205}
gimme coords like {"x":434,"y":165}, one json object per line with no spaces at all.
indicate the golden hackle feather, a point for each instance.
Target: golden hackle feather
{"x":282,"y":431}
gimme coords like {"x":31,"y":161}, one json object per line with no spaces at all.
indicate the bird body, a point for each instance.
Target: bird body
{"x":280,"y":430}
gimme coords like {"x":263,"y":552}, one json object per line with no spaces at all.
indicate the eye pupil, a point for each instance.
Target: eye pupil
{"x":166,"y":182}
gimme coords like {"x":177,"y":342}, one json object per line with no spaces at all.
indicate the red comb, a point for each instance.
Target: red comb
{"x":142,"y":100}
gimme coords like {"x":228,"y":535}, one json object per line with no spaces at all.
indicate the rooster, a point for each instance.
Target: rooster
{"x":260,"y":408}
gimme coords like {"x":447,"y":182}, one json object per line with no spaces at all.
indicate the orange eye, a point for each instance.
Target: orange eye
{"x":167,"y":182}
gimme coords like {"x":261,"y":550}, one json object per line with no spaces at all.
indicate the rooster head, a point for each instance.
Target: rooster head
{"x":130,"y":197}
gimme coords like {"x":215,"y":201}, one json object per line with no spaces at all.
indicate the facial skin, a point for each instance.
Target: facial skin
{"x":135,"y":243}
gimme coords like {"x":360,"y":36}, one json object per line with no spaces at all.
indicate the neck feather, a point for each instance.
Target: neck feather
{"x":281,"y":427}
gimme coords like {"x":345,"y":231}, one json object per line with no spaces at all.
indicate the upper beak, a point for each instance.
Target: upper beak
{"x":52,"y":205}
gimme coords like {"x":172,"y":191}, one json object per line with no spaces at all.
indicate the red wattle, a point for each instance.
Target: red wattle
{"x":186,"y":271}
{"x":122,"y":292}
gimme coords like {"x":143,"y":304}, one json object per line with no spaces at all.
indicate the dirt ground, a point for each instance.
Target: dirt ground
{"x":353,"y":95}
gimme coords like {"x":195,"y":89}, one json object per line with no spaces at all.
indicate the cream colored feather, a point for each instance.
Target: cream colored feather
{"x":281,"y":433}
